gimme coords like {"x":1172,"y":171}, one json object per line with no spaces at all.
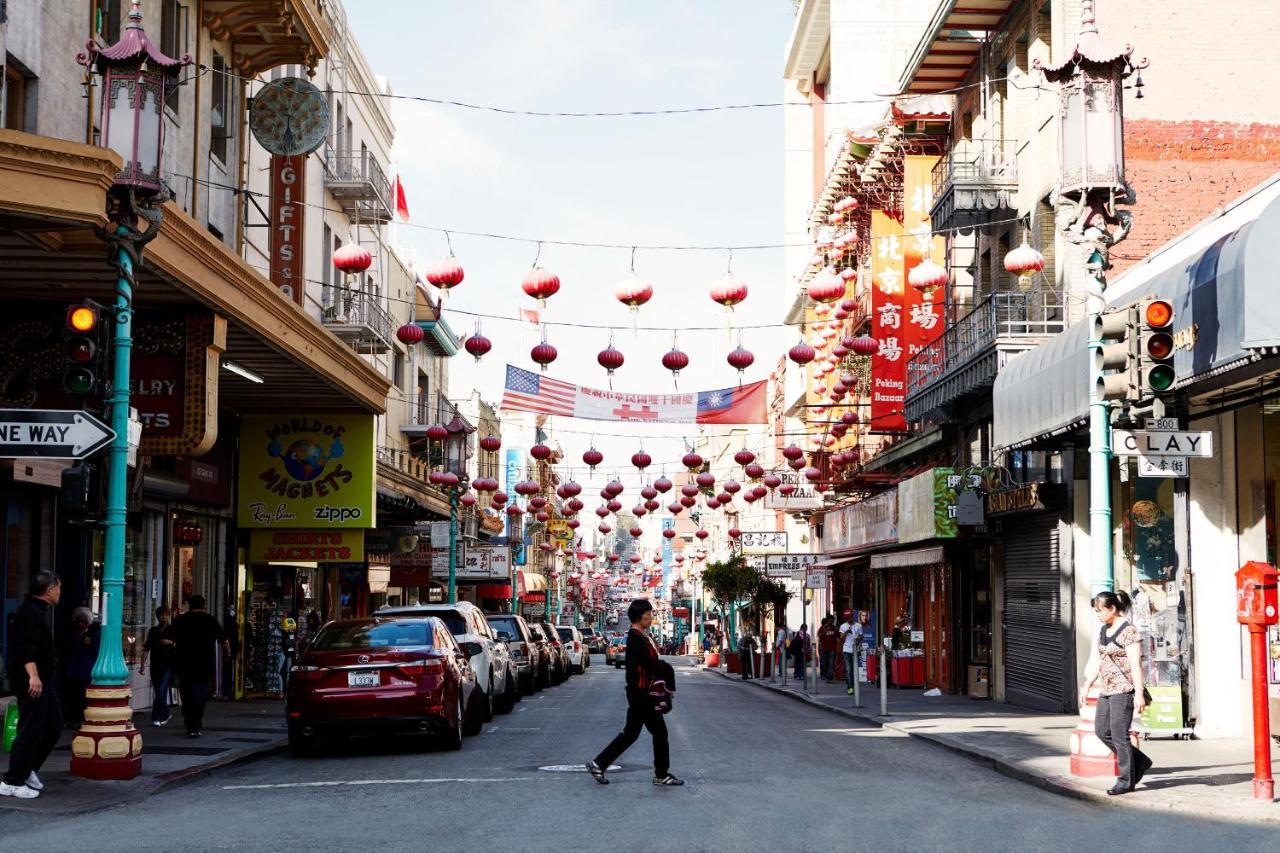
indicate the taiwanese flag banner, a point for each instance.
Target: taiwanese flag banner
{"x":922,"y":317}
{"x":526,"y":391}
{"x":889,"y":362}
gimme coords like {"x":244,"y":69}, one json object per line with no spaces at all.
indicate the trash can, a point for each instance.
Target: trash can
{"x":10,"y":726}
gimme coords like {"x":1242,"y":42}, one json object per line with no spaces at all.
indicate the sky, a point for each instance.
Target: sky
{"x":701,"y":179}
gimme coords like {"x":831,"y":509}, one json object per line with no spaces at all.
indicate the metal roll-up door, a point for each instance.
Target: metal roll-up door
{"x":1033,"y":635}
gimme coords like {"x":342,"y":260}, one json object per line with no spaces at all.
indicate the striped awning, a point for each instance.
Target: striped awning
{"x":951,"y":44}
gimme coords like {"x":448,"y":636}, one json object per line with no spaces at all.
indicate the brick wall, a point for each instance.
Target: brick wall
{"x":1185,"y":170}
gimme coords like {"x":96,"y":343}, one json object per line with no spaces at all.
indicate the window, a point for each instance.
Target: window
{"x":373,"y":636}
{"x":219,"y":109}
{"x":397,"y":370}
{"x":173,"y":42}
{"x":108,"y":21}
{"x":326,"y":267}
{"x":19,"y":97}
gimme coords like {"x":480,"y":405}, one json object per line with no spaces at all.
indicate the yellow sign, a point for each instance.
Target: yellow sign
{"x":307,"y":471}
{"x":559,"y":529}
{"x":306,"y":546}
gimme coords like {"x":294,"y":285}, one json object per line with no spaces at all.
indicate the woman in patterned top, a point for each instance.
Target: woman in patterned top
{"x":1116,"y":666}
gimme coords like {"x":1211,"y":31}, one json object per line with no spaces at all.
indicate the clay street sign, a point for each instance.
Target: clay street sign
{"x":1153,"y":443}
{"x":51,"y":433}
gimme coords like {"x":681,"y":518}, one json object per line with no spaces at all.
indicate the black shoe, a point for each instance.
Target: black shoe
{"x":194,"y":734}
{"x":597,"y":772}
{"x":1142,"y":763}
{"x":1118,"y":789}
{"x":667,"y":780}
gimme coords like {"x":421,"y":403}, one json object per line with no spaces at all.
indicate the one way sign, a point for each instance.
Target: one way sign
{"x":51,"y":433}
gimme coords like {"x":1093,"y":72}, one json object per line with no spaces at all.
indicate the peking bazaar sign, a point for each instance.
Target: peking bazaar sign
{"x":307,"y":471}
{"x":306,"y":546}
{"x":889,"y":362}
{"x":922,"y":312}
{"x":288,"y":196}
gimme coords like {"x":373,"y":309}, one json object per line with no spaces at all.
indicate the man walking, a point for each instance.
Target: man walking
{"x":197,"y":637}
{"x":31,"y":675}
{"x":160,"y":648}
{"x":851,"y":640}
{"x":828,"y":642}
{"x":642,"y":661}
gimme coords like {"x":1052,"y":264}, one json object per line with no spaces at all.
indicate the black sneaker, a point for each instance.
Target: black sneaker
{"x":667,"y":780}
{"x":597,"y":772}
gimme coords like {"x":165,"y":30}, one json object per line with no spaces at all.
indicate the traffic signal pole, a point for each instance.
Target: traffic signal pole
{"x":1101,"y":573}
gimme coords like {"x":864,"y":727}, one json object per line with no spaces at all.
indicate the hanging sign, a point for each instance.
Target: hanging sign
{"x":309,"y":471}
{"x":288,"y":197}
{"x":922,"y":312}
{"x":803,"y":497}
{"x":788,"y":565}
{"x":763,"y":542}
{"x":889,"y":362}
{"x":526,"y":391}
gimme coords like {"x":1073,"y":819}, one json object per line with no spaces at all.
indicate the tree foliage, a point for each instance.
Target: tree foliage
{"x":730,"y":581}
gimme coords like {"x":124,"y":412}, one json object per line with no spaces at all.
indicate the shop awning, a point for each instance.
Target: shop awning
{"x":534,"y":582}
{"x":952,"y":44}
{"x":832,"y":563}
{"x":908,"y":559}
{"x":1219,"y":277}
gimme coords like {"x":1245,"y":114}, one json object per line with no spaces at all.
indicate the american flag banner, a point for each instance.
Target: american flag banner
{"x":526,"y":391}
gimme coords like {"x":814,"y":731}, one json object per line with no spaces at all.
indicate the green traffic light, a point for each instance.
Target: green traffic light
{"x":1160,"y":378}
{"x":78,"y":380}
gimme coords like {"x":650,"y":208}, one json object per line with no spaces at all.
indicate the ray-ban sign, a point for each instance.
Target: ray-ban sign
{"x":51,"y":434}
{"x":1160,"y":443}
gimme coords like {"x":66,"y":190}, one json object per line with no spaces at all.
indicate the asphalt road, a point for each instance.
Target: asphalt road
{"x":763,"y":773}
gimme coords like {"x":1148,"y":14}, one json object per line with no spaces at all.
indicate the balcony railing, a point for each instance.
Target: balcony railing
{"x":425,"y":410}
{"x":973,"y":181}
{"x":358,"y":183}
{"x":359,"y":319}
{"x":970,"y":352}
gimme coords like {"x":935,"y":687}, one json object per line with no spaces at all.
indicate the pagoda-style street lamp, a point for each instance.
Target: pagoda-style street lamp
{"x":134,"y":73}
{"x":456,"y":450}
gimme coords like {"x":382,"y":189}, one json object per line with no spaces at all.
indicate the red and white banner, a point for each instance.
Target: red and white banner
{"x":923,"y":315}
{"x":889,"y":363}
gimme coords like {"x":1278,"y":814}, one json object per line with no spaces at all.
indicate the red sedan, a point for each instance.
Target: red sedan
{"x":379,"y":675}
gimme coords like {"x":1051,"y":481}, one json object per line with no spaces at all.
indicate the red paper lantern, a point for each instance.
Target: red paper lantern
{"x":613,"y":487}
{"x":572,"y":489}
{"x":541,"y":284}
{"x":759,"y":491}
{"x":543,"y":354}
{"x":791,"y":452}
{"x":692,"y":461}
{"x":754,"y":470}
{"x":675,"y":508}
{"x":436,"y":432}
{"x":610,"y":359}
{"x":706,"y":479}
{"x":537,"y":502}
{"x":477,"y":345}
{"x":732,"y":487}
{"x":669,"y":533}
{"x":592,"y":458}
{"x":701,"y":534}
{"x":445,"y":274}
{"x":662,"y":484}
{"x":410,"y":334}
{"x":734,"y":533}
{"x":796,"y":464}
{"x":527,"y":488}
{"x":638,"y":511}
{"x":675,"y":361}
{"x":849,"y":418}
{"x":573,"y":524}
{"x":636,"y":532}
{"x":648,"y":493}
{"x":490,"y":443}
{"x":689,"y":490}
{"x":728,"y":292}
{"x":740,"y":359}
{"x":826,"y":287}
{"x":540,"y":452}
{"x":641,"y":460}
{"x":744,"y":457}
{"x":927,"y":276}
{"x":772,"y":481}
{"x":352,"y":259}
{"x":864,"y":345}
{"x":786,"y":489}
{"x":602,"y":511}
{"x":514,"y":510}
{"x":633,"y":292}
{"x":812,"y":474}
{"x":543,"y":517}
{"x":498,"y":498}
{"x":614,"y":505}
{"x":802,"y":353}
{"x":603,"y":528}
{"x":688,"y":502}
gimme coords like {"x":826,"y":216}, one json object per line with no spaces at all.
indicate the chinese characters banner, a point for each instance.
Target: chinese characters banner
{"x":923,"y":311}
{"x":889,"y":363}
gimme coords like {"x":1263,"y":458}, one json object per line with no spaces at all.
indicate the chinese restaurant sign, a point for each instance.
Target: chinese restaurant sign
{"x":889,"y":362}
{"x":307,"y":471}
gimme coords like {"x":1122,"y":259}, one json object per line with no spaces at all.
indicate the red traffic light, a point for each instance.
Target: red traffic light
{"x":1160,"y":345}
{"x":1158,"y":313}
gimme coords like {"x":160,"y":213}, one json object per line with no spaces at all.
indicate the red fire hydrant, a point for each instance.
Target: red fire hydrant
{"x":1258,"y":605}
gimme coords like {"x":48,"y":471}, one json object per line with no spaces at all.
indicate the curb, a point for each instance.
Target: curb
{"x":1061,"y":785}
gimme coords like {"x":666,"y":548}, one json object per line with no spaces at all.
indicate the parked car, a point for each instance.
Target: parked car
{"x":579,"y":655}
{"x":617,"y":652}
{"x":522,"y":647}
{"x":554,"y":636}
{"x":545,"y":667}
{"x":382,"y":674}
{"x":555,"y":658}
{"x":594,"y":641}
{"x":489,"y":657}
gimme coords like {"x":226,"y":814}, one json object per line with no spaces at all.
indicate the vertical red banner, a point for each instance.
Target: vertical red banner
{"x":288,"y":197}
{"x":889,"y":363}
{"x":923,"y":312}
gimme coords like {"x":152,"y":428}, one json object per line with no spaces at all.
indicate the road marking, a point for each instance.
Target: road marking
{"x":355,"y":782}
{"x":574,"y":768}
{"x":493,"y":729}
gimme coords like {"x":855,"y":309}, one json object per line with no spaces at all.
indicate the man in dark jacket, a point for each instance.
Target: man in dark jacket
{"x":197,"y":637}
{"x":642,"y":662}
{"x":32,"y":666}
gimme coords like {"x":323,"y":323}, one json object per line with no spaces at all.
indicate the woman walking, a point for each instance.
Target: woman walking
{"x":1116,"y":666}
{"x":800,"y":650}
{"x":645,"y":669}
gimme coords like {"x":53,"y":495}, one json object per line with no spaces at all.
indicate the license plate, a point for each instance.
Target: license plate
{"x":363,"y":679}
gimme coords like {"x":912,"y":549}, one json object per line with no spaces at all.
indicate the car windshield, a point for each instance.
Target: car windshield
{"x":372,"y":635}
{"x":508,"y":625}
{"x":566,"y":634}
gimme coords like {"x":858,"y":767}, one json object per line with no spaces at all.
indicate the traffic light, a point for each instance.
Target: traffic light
{"x":1155,"y":350}
{"x":1116,"y":361}
{"x":83,"y":348}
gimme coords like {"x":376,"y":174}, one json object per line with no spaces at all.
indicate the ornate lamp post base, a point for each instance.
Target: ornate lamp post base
{"x":108,"y":746}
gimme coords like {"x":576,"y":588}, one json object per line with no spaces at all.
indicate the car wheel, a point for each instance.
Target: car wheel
{"x":302,"y":745}
{"x":512,"y":694}
{"x":473,"y":721}
{"x":486,"y":701}
{"x":453,"y":733}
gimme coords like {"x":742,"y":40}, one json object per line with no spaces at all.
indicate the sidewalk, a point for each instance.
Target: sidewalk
{"x":233,"y":732}
{"x":1191,"y":777}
